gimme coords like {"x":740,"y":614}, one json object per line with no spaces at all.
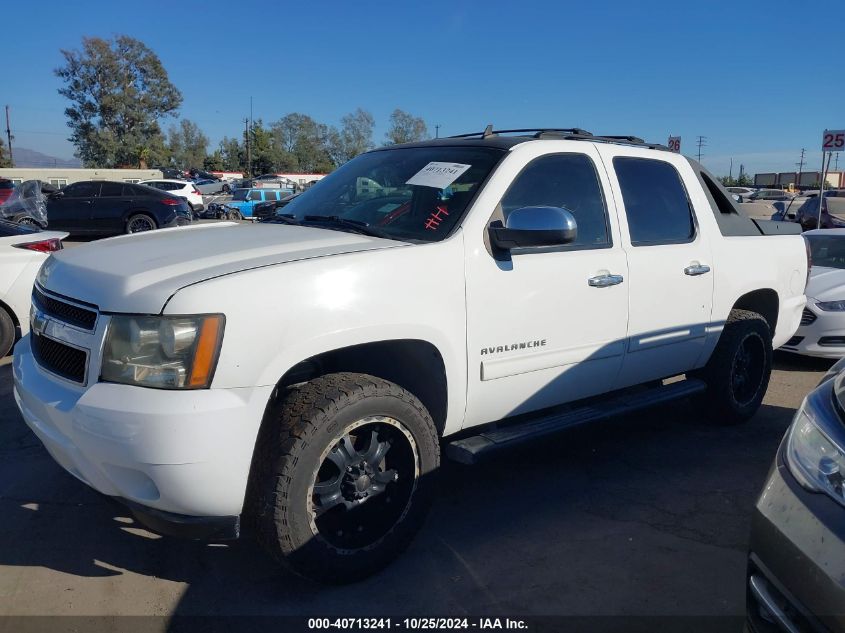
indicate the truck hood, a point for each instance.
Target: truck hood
{"x":139,"y":273}
{"x":826,"y":284}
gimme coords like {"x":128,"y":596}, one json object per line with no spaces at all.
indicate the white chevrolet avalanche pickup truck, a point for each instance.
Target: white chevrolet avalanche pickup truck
{"x":300,"y":377}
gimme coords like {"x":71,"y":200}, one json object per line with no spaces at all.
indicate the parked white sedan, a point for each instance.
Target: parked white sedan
{"x":822,"y":330}
{"x":22,"y":251}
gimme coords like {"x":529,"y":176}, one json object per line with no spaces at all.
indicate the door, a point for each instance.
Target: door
{"x":70,"y":210}
{"x":669,"y":265}
{"x":110,"y":208}
{"x":547,"y":326}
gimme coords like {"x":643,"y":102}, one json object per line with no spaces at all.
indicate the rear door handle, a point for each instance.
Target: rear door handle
{"x":603,"y":281}
{"x":696,"y":269}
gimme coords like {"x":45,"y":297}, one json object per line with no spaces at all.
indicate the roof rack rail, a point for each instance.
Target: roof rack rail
{"x":489,"y":131}
{"x":565,"y":134}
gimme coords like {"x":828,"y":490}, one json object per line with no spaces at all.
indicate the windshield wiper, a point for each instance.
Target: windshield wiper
{"x":282,"y":218}
{"x":354,"y":225}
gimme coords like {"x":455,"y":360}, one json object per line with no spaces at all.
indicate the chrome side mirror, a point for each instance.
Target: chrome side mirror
{"x":533,"y":227}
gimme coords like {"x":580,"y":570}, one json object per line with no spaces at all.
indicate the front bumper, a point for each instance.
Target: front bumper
{"x":181,"y":452}
{"x":824,"y":337}
{"x":797,"y":554}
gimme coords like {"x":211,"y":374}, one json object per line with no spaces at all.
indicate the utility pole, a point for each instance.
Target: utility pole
{"x":731,"y":171}
{"x":800,"y":167}
{"x":9,"y":138}
{"x":741,"y":169}
{"x":702,"y":142}
{"x":437,"y":131}
{"x":248,"y":149}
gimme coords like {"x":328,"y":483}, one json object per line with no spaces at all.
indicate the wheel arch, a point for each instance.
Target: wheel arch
{"x":763,"y":301}
{"x":414,"y":364}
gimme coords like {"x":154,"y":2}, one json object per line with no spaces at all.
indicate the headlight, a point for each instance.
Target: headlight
{"x":831,"y":306}
{"x":167,"y":352}
{"x":813,"y":458}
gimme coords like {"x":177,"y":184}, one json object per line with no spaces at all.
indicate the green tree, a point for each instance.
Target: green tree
{"x":405,"y":128}
{"x":119,"y":91}
{"x":4,"y":155}
{"x":214,"y":161}
{"x":307,"y":141}
{"x":233,"y":155}
{"x":355,"y":136}
{"x":187,"y":144}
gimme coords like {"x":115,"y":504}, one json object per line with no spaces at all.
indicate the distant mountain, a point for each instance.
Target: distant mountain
{"x":30,"y":158}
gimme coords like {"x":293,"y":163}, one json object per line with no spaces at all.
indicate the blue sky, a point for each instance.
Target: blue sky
{"x":760,"y":80}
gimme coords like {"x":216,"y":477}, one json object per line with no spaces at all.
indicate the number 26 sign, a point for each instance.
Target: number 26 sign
{"x":833,"y":141}
{"x":674,"y":144}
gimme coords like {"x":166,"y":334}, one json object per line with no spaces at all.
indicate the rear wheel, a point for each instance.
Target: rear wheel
{"x":737,"y":374}
{"x":226,"y":188}
{"x":7,"y":332}
{"x":140,"y":222}
{"x":343,"y":476}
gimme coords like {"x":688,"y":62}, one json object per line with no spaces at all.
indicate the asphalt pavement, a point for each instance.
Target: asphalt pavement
{"x":644,"y":515}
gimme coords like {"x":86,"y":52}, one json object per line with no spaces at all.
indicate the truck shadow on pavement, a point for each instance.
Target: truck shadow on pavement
{"x":641,"y":515}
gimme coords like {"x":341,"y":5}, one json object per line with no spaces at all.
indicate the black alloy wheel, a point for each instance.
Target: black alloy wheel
{"x":364,"y":484}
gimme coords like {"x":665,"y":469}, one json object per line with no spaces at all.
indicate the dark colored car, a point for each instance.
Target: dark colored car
{"x":95,"y":207}
{"x":833,"y":213}
{"x":265,"y":210}
{"x":6,"y":189}
{"x":796,"y":568}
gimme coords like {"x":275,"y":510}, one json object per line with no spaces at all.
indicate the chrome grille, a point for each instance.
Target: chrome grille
{"x":807,"y":317}
{"x":63,"y":311}
{"x":58,"y":358}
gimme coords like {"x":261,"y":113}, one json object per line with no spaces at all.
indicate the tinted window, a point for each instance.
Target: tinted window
{"x":271,"y":195}
{"x":82,"y":190}
{"x":254,"y":195}
{"x":827,"y":250}
{"x":655,"y":200}
{"x":7,"y":184}
{"x":141,"y":190}
{"x":111,"y":190}
{"x":568,"y":181}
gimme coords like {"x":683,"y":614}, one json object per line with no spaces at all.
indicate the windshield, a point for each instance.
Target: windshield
{"x":827,"y":250}
{"x":414,"y":193}
{"x":240,"y":194}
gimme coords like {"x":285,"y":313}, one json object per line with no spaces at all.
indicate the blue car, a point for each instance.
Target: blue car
{"x":243,"y":200}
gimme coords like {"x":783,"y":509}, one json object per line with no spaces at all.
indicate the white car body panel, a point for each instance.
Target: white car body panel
{"x":826,"y":284}
{"x":18,"y":268}
{"x":186,"y":191}
{"x":289,"y":293}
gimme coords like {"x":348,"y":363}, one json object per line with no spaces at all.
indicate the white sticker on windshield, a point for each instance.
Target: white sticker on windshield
{"x":438,"y":175}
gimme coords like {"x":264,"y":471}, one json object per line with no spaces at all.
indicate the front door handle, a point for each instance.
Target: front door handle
{"x":603,"y":281}
{"x":696,"y":269}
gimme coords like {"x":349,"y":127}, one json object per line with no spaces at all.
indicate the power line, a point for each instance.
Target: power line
{"x":9,"y":137}
{"x":701,"y":142}
{"x":800,"y":166}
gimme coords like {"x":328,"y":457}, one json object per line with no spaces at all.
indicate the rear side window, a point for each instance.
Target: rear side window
{"x":656,"y":202}
{"x":568,"y":181}
{"x":270,"y":195}
{"x":254,"y":195}
{"x":81,"y":190}
{"x":111,"y":190}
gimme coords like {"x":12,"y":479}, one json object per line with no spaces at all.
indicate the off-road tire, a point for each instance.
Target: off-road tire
{"x":296,"y":434}
{"x":7,"y":332}
{"x":723,"y":403}
{"x":235,"y":216}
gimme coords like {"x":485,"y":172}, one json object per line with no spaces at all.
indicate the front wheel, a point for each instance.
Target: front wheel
{"x":344,"y":476}
{"x":737,"y":374}
{"x":237,"y":216}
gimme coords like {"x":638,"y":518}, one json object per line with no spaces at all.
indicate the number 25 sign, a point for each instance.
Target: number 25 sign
{"x":833,"y":141}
